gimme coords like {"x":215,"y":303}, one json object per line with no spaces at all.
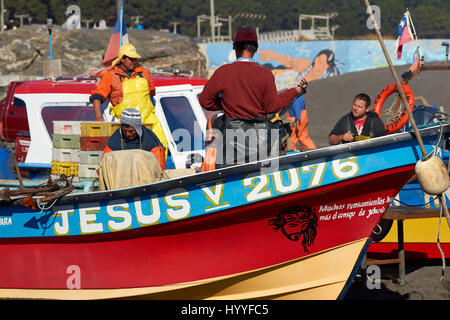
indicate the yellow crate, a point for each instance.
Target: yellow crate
{"x":110,"y":128}
{"x":93,"y":129}
{"x":67,"y":168}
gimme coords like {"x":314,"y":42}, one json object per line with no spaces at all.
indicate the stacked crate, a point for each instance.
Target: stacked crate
{"x":78,"y":147}
{"x":66,"y":148}
{"x":94,"y":136}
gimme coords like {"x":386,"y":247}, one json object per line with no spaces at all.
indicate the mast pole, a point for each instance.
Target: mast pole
{"x":396,"y":79}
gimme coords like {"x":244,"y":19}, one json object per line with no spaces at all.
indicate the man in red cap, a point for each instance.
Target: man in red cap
{"x":247,"y":94}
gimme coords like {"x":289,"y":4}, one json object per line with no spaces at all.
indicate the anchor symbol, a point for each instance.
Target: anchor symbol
{"x":41,"y":222}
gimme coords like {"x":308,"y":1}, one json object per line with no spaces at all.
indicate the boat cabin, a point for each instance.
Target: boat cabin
{"x":68,"y":99}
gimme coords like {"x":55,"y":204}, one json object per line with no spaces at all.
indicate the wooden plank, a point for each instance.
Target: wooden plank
{"x":404,"y":212}
{"x":382,"y":261}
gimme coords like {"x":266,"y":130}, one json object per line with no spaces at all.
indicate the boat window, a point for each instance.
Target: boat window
{"x":80,"y":112}
{"x":179,"y":115}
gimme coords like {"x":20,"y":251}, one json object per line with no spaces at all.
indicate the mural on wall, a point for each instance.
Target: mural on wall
{"x":290,"y":61}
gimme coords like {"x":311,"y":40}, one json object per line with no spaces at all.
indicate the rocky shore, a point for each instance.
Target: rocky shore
{"x":24,"y":51}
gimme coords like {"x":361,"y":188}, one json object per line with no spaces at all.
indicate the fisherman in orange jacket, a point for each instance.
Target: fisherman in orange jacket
{"x":298,"y":117}
{"x":127,"y":84}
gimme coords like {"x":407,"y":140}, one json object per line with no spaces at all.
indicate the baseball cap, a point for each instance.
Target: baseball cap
{"x":245,"y":34}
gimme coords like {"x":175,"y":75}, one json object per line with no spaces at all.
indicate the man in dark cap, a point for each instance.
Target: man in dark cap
{"x":247,"y":94}
{"x":133,"y":135}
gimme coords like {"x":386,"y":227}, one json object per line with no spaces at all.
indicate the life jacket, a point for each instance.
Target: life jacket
{"x":368,"y":128}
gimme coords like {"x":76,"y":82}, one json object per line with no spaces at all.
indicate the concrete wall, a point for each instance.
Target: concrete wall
{"x":289,"y":61}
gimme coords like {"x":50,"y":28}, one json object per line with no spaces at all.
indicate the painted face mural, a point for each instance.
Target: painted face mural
{"x":297,"y":222}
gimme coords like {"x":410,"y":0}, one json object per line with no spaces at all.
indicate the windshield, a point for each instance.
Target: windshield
{"x":183,"y":124}
{"x":66,"y":112}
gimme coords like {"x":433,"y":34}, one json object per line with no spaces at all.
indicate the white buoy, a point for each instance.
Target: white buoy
{"x":432,"y":175}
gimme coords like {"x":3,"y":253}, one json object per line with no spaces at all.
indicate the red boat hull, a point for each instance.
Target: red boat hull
{"x":220,"y":244}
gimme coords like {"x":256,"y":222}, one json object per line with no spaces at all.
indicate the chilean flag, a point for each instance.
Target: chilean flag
{"x":114,"y":43}
{"x":404,"y":34}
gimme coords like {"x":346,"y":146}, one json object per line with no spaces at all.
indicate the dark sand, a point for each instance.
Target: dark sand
{"x":422,"y":282}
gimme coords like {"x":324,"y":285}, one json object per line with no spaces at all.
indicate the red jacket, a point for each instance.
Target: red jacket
{"x":110,"y":85}
{"x":247,"y":90}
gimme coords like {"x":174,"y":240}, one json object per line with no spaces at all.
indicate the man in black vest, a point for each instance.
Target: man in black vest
{"x":360,"y":124}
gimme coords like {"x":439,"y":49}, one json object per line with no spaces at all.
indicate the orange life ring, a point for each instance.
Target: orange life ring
{"x":381,"y":98}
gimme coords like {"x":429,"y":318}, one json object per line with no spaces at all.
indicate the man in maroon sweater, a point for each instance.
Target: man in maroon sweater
{"x":247,"y":93}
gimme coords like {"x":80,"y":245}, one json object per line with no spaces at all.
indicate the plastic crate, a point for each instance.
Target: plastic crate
{"x":90,"y":157}
{"x":93,"y":143}
{"x":111,"y":127}
{"x":67,"y":127}
{"x":67,"y":168}
{"x":66,"y":155}
{"x":88,"y":171}
{"x":93,"y":129}
{"x":66,"y":141}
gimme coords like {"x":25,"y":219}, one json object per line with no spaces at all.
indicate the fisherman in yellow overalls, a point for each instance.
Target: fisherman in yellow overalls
{"x":127,"y":84}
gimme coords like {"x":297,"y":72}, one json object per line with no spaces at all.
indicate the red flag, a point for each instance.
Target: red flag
{"x":114,"y":43}
{"x":404,"y":34}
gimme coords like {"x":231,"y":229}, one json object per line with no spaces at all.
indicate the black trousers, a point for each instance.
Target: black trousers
{"x":247,"y":140}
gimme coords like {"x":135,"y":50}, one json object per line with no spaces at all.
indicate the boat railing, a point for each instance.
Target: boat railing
{"x":172,"y":72}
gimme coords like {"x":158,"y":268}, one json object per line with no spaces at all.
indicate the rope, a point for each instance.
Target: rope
{"x":393,"y":113}
{"x":439,"y":247}
{"x":433,"y":152}
{"x":441,"y":118}
{"x":43,"y":208}
{"x":414,"y":31}
{"x":415,"y":205}
{"x":439,"y":231}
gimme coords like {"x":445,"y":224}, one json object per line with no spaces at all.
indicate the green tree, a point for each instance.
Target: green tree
{"x":430,"y":16}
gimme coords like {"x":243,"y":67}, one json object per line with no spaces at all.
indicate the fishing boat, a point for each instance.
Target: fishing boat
{"x":291,"y":227}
